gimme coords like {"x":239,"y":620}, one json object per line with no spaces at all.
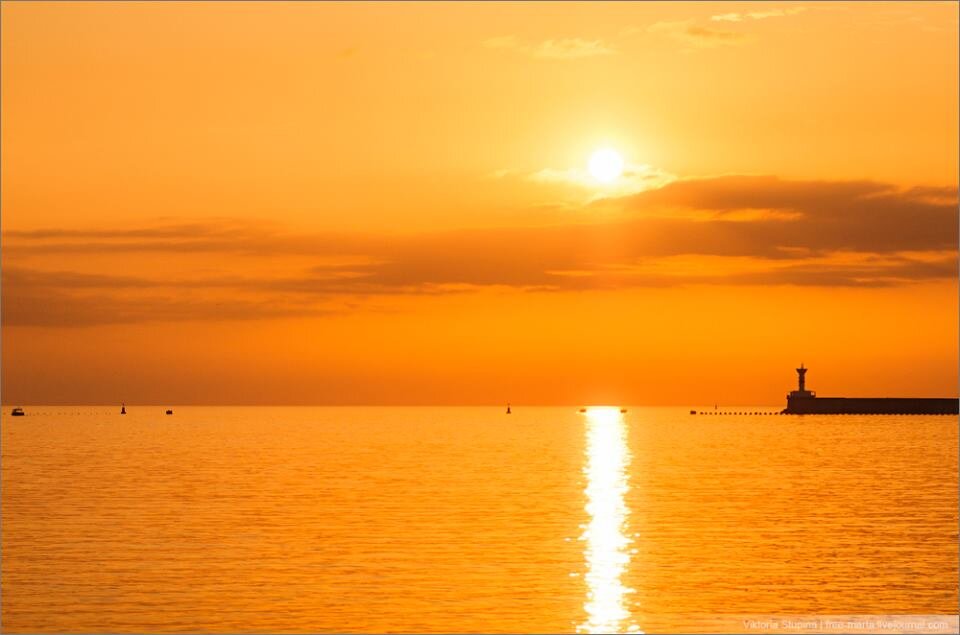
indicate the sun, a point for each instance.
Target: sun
{"x":606,"y":165}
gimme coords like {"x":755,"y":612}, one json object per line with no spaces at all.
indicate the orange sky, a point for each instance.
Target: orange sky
{"x":339,"y":203}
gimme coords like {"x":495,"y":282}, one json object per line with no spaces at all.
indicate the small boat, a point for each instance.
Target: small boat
{"x":169,"y":412}
{"x":693,"y":412}
{"x":582,"y":410}
{"x":17,"y":412}
{"x":623,"y":410}
{"x":508,"y":408}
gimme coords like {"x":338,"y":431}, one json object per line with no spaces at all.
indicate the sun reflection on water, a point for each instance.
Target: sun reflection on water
{"x":607,"y":543}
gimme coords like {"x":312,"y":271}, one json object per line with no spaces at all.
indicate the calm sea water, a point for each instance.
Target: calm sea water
{"x":468,"y":520}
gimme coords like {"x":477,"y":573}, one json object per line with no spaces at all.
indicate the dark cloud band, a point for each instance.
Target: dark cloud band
{"x":821,"y":233}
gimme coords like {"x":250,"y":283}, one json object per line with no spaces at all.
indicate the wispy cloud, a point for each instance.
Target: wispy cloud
{"x":693,"y":35}
{"x":762,"y":14}
{"x":554,"y":49}
{"x":635,"y":178}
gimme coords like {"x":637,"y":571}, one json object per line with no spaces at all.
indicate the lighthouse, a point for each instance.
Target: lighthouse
{"x":801,"y":392}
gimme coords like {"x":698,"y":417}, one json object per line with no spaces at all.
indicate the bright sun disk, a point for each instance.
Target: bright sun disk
{"x":606,"y":165}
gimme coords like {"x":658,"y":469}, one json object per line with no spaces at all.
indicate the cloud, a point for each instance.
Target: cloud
{"x":689,"y":33}
{"x":66,"y":308}
{"x":727,"y":230}
{"x":695,"y":36}
{"x":224,"y":227}
{"x":864,"y":216}
{"x":635,"y":178}
{"x":758,"y":15}
{"x":883,"y":273}
{"x":39,"y":297}
{"x":571,"y":48}
{"x":728,"y":17}
{"x":559,"y":49}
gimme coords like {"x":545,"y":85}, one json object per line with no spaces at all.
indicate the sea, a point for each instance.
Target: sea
{"x":470,"y":520}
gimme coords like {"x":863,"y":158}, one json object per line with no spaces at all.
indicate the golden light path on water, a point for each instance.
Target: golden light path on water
{"x":607,"y":543}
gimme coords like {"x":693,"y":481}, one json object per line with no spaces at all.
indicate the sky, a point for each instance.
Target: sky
{"x":390,"y":203}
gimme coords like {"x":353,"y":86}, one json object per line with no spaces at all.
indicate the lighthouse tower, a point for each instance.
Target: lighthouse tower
{"x":800,"y":400}
{"x":801,"y":390}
